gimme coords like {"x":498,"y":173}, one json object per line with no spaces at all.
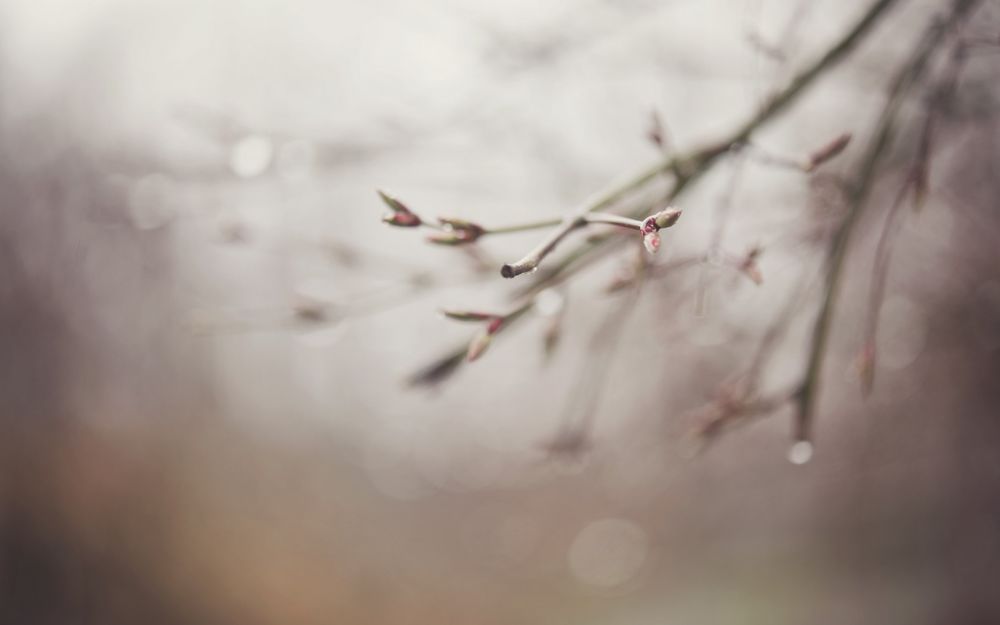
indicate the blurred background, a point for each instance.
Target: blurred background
{"x":207,"y":332}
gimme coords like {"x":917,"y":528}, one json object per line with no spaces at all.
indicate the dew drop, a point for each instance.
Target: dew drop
{"x":801,"y":452}
{"x":548,"y":303}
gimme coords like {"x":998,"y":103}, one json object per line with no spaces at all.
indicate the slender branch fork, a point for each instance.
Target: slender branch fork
{"x":648,"y":227}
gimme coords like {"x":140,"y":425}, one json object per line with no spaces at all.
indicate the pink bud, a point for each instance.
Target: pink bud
{"x":494,"y":325}
{"x":652,"y":241}
{"x":403,"y":220}
{"x":751,"y":271}
{"x":460,"y":224}
{"x":828,"y":151}
{"x":399,"y":214}
{"x":649,"y":225}
{"x":456,"y":232}
{"x":478,"y":345}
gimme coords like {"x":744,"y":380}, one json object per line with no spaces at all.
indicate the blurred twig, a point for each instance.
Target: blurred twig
{"x":914,"y":185}
{"x":910,"y":73}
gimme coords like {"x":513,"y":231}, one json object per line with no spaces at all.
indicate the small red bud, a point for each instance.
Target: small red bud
{"x":399,"y":214}
{"x":460,"y":224}
{"x":753,"y":272}
{"x":494,"y":325}
{"x":456,"y":232}
{"x":482,"y":340}
{"x":403,"y":220}
{"x":828,"y":151}
{"x":750,"y":268}
{"x":478,"y":345}
{"x":649,"y":225}
{"x":652,"y":241}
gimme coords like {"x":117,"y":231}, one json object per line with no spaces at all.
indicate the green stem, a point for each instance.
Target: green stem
{"x":613,"y":220}
{"x":534,"y":225}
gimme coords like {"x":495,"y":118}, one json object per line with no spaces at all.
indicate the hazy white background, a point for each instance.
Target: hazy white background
{"x":205,"y":154}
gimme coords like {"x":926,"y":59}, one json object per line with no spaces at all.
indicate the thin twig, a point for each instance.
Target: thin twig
{"x":534,"y":225}
{"x":915,"y":185}
{"x":530,"y":261}
{"x":573,"y":436}
{"x":648,"y":226}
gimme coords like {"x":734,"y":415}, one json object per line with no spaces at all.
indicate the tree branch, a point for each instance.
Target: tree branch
{"x":687,"y":168}
{"x":908,"y":75}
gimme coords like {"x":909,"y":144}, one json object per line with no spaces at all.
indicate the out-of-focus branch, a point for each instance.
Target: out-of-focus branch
{"x":739,"y":399}
{"x":914,"y":184}
{"x":574,"y":435}
{"x":910,"y":73}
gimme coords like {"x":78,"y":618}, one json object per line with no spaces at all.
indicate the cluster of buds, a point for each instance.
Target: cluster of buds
{"x":651,"y":226}
{"x":399,"y":214}
{"x":450,"y":231}
{"x":492,"y":324}
{"x":456,"y":232}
